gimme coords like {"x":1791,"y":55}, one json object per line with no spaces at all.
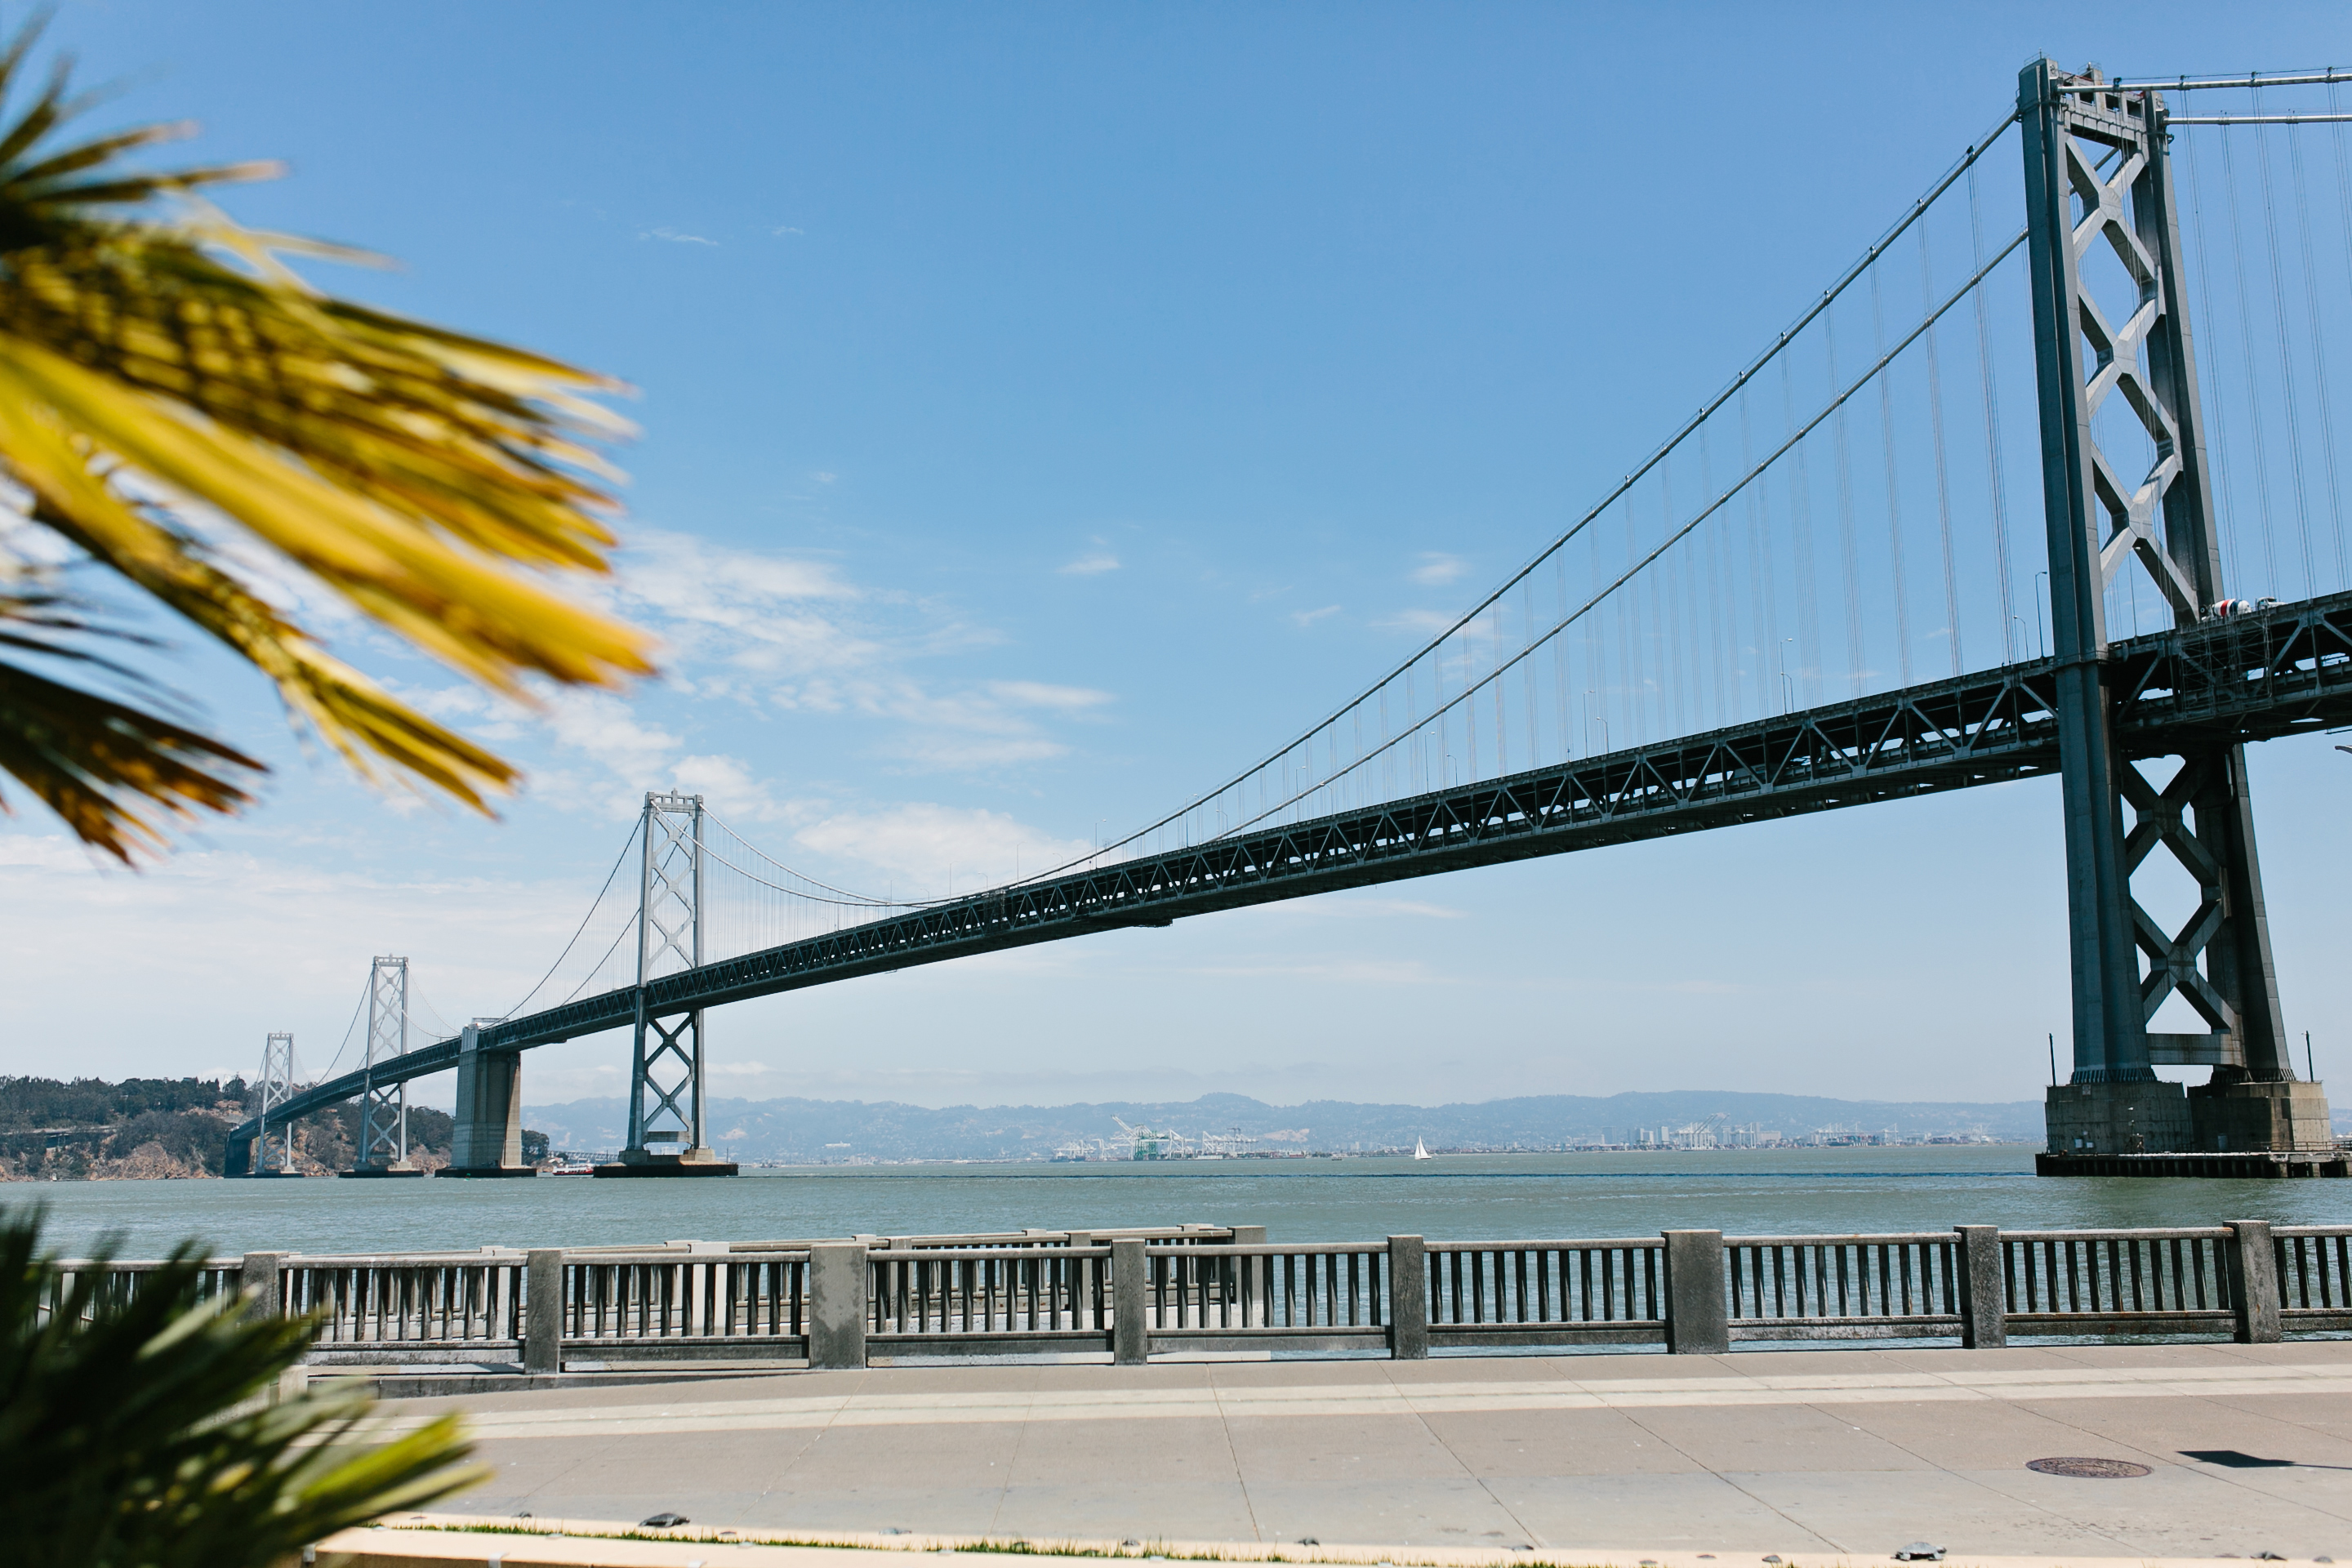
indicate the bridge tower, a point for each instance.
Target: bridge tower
{"x":668,"y":1136}
{"x":2098,"y":187}
{"x":383,"y":1107}
{"x":273,"y":1151}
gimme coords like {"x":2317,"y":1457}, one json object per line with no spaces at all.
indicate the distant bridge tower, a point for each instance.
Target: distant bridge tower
{"x":383,"y":1107}
{"x":667,"y":1135}
{"x":273,"y":1152}
{"x":2098,"y":183}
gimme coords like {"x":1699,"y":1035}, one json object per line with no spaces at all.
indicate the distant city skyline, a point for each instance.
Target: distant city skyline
{"x":1043,"y":413}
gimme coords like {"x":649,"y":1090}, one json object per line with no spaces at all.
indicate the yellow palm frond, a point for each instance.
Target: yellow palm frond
{"x":163,"y":369}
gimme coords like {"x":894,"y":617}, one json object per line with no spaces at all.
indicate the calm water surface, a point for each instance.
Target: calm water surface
{"x":1463,"y":1198}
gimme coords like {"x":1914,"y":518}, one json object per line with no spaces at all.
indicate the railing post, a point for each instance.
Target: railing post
{"x":259,"y":1283}
{"x":1984,"y":1318}
{"x":1131,"y":1329}
{"x":2253,"y":1282}
{"x":542,"y":1305}
{"x":1253,"y":1287}
{"x":1408,"y":1299}
{"x":1697,"y":1324}
{"x":837,"y":1305}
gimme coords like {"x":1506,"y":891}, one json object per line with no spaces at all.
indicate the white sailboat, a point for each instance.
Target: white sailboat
{"x":1421,"y":1151}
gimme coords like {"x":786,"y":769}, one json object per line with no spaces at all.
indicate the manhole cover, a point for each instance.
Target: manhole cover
{"x":2088,"y":1470}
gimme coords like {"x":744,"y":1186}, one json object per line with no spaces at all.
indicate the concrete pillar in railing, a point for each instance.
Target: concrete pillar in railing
{"x":1697,"y":1323}
{"x":1984,"y":1317}
{"x":260,"y":1283}
{"x":1130,"y":1328}
{"x":1408,"y":1299}
{"x":2253,"y":1281}
{"x":542,"y":1306}
{"x":1254,"y":1279}
{"x":837,"y":1305}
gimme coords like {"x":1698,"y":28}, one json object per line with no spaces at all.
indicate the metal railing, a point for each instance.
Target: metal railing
{"x":1599,"y":1292}
{"x":670,"y":1304}
{"x":1842,"y":1287}
{"x":1045,"y":1295}
{"x":1332,"y":1296}
{"x":1125,"y":1296}
{"x":2153,"y":1281}
{"x":458,"y":1304}
{"x":2315,"y":1276}
{"x":120,"y":1278}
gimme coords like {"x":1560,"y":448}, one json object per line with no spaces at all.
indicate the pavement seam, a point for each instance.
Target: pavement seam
{"x":1422,"y":1419}
{"x":1233,"y":1458}
{"x":1777,"y":1512}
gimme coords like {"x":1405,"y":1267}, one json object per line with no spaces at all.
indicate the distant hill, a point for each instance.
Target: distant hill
{"x":832,"y":1130}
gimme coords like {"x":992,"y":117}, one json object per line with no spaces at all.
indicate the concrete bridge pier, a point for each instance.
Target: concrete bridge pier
{"x":489,"y":1137}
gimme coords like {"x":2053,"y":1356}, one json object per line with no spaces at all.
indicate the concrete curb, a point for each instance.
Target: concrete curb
{"x":423,"y":1541}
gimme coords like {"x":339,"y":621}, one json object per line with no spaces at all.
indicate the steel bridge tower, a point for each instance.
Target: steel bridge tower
{"x":273,"y":1152}
{"x":383,"y":1107}
{"x":2099,"y":186}
{"x":667,"y":1135}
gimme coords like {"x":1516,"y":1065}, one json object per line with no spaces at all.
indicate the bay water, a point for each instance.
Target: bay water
{"x":1465,"y":1197}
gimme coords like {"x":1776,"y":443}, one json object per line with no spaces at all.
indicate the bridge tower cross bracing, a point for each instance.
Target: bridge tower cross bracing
{"x":383,"y":1106}
{"x":2089,"y":142}
{"x":273,"y":1151}
{"x":666,"y":1073}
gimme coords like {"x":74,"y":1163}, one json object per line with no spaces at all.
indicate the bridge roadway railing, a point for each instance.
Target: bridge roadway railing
{"x":1126,"y":1297}
{"x":2276,"y":672}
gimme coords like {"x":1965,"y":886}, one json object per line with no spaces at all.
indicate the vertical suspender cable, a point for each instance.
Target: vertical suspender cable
{"x":2344,"y":221}
{"x":1760,"y":568}
{"x":2318,"y":359}
{"x":1800,"y":501}
{"x":2217,"y":406}
{"x":2287,"y":357}
{"x":1559,"y":668}
{"x":1720,"y":607}
{"x":1894,"y":492}
{"x":1846,"y":551}
{"x":1943,"y":482}
{"x":1665,"y":611}
{"x":2253,"y":393}
{"x":1527,"y":669}
{"x":1996,"y":477}
{"x":1635,"y":679}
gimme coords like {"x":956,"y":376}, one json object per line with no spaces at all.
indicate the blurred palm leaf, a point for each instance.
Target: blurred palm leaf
{"x":133,"y":1435}
{"x":166,"y":384}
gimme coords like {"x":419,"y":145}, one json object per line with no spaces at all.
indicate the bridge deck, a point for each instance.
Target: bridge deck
{"x":2256,"y":677}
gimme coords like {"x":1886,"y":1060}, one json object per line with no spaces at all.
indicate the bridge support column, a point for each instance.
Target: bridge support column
{"x":669,"y":1135}
{"x":487,"y":1141}
{"x":2093,"y":149}
{"x":383,"y":1106}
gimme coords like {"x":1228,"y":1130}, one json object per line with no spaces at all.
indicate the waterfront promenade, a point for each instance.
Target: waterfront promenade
{"x":1793,"y":1453}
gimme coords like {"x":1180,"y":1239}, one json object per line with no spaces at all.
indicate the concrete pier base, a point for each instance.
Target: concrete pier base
{"x":2147,"y":1118}
{"x":488,"y":1137}
{"x":2229,"y":1117}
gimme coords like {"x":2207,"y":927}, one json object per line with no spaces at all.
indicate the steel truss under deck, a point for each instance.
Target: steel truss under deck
{"x":2183,"y":693}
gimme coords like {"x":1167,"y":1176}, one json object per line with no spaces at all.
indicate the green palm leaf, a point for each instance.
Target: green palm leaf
{"x":160,"y":366}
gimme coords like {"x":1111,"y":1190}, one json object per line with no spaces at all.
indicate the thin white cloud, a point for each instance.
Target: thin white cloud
{"x":1038,"y":694}
{"x":1091,"y":565}
{"x":1426,"y":622}
{"x":784,"y":228}
{"x":674,"y":237}
{"x":1436,"y":569}
{"x":1308,"y":617}
{"x":919,"y":844}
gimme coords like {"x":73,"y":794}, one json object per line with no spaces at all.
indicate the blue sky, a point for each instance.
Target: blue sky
{"x":1047,"y":408}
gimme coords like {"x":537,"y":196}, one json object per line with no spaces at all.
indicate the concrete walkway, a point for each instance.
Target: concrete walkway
{"x":1814,"y":1452}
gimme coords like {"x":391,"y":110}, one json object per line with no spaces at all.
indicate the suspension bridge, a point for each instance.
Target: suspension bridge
{"x":1818,"y":593}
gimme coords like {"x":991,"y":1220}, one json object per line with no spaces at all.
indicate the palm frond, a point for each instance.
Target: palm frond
{"x":129,"y":1432}
{"x":159,"y":365}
